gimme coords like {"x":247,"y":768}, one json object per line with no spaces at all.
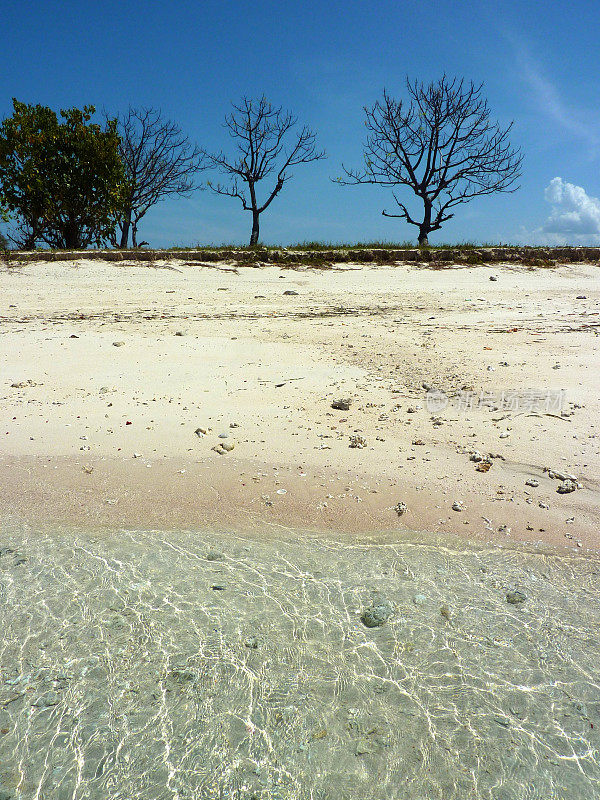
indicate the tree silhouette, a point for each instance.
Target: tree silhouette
{"x":159,"y":161}
{"x":443,"y":146}
{"x":266,"y":144}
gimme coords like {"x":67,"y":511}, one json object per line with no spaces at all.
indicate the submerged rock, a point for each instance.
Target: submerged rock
{"x":377,"y":614}
{"x":516,"y":597}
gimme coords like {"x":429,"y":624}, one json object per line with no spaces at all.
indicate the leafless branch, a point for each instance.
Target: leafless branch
{"x":443,"y":146}
{"x":263,"y":148}
{"x":159,"y":161}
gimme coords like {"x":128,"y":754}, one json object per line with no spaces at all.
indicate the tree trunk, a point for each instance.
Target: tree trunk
{"x":255,"y":228}
{"x":125,"y":224}
{"x":72,"y":237}
{"x":425,"y":226}
{"x":134,"y":235}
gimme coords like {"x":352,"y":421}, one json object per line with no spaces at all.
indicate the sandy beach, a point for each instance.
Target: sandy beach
{"x":119,"y":380}
{"x":280,"y":534}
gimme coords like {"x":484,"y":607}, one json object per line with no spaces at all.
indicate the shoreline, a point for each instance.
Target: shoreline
{"x":260,"y":499}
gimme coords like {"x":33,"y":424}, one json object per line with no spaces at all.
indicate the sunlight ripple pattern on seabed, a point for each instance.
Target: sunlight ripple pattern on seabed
{"x":191,"y":666}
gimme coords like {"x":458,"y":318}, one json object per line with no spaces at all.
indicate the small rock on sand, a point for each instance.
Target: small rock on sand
{"x":118,"y":344}
{"x":343,"y":404}
{"x":516,"y":597}
{"x":566,"y":487}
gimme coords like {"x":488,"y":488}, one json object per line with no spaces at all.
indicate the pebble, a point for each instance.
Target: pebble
{"x":561,"y":476}
{"x":515,"y":597}
{"x":343,"y":404}
{"x":214,"y":555}
{"x":532,"y":482}
{"x":227,"y":446}
{"x":47,"y":700}
{"x":476,"y":456}
{"x":358,"y":441}
{"x":493,"y":278}
{"x":118,"y":344}
{"x":456,"y":506}
{"x":419,"y":599}
{"x":290,"y":292}
{"x":400,"y":508}
{"x":377,"y":614}
{"x":200,"y":431}
{"x":566,"y":487}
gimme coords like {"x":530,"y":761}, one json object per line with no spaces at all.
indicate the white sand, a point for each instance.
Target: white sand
{"x":375,"y":334}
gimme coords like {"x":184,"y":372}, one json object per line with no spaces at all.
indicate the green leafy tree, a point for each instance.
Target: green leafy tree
{"x":61,"y":178}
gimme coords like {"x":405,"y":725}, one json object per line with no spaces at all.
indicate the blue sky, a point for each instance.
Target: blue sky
{"x":325,"y":61}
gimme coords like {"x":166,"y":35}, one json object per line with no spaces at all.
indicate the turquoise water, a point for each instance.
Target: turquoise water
{"x":185,"y":665}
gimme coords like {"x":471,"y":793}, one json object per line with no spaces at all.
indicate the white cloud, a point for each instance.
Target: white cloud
{"x":574,"y":212}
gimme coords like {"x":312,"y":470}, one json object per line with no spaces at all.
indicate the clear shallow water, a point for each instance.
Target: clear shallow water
{"x":124,"y":675}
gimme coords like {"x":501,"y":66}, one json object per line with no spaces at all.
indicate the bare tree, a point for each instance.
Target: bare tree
{"x":259,"y":131}
{"x":159,"y":161}
{"x":443,"y":146}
